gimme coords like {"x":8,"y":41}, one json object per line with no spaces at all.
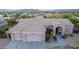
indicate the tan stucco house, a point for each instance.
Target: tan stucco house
{"x":33,"y":29}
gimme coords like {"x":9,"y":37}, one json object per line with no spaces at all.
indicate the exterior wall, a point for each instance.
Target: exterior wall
{"x":63,"y":29}
{"x":16,"y":36}
{"x":43,"y":37}
{"x":66,"y":29}
{"x":12,"y":36}
{"x":69,"y":30}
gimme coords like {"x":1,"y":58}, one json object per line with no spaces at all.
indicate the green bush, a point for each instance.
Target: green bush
{"x":64,"y":36}
{"x":54,"y":37}
{"x":47,"y":37}
{"x":48,"y":34}
{"x":50,"y":16}
{"x":25,"y":16}
{"x":51,"y":36}
{"x":2,"y":31}
{"x":71,"y":35}
{"x":45,"y":16}
{"x":11,"y":22}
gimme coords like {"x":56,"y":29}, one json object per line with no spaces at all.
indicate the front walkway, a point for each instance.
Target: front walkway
{"x":60,"y":41}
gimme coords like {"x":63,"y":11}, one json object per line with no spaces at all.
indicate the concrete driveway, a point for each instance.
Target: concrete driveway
{"x":34,"y":45}
{"x":4,"y":42}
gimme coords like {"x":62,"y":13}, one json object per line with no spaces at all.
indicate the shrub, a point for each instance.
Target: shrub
{"x":50,"y":16}
{"x":71,"y":35}
{"x":64,"y":36}
{"x":2,"y":31}
{"x":54,"y":37}
{"x":49,"y":47}
{"x":47,"y":37}
{"x":11,"y":22}
{"x":48,"y":34}
{"x":51,"y":36}
{"x":25,"y":16}
{"x":45,"y":16}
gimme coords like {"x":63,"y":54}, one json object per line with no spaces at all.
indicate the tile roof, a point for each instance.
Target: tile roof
{"x":38,"y":24}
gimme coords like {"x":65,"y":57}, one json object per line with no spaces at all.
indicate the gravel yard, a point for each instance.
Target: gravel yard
{"x":73,"y":41}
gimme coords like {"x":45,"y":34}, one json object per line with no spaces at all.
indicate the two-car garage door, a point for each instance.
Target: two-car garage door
{"x":34,"y":38}
{"x":27,"y":37}
{"x":16,"y":36}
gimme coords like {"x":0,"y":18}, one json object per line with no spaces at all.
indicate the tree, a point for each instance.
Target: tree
{"x":11,"y":22}
{"x":50,"y":16}
{"x":5,"y":15}
{"x":76,"y":14}
{"x":57,"y":15}
{"x":2,"y":30}
{"x":66,"y":15}
{"x":48,"y":34}
{"x":24,"y":15}
{"x":73,"y":20}
{"x":17,"y":15}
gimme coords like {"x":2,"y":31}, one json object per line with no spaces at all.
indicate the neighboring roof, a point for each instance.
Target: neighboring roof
{"x":38,"y":24}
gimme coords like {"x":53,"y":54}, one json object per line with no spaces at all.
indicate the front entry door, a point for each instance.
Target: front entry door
{"x":59,"y":30}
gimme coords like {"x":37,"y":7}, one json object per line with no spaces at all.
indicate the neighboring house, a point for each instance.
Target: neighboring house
{"x":33,"y":29}
{"x":2,"y":22}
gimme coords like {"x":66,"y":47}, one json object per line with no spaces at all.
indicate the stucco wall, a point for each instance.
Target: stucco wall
{"x":69,"y":30}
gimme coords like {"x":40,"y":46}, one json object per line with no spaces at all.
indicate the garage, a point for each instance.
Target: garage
{"x":34,"y":37}
{"x":27,"y":36}
{"x":17,"y":36}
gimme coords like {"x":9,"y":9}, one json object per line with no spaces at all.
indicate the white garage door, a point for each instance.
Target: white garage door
{"x":17,"y":36}
{"x":34,"y":38}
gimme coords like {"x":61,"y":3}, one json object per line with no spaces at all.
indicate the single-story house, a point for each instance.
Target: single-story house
{"x":33,"y":29}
